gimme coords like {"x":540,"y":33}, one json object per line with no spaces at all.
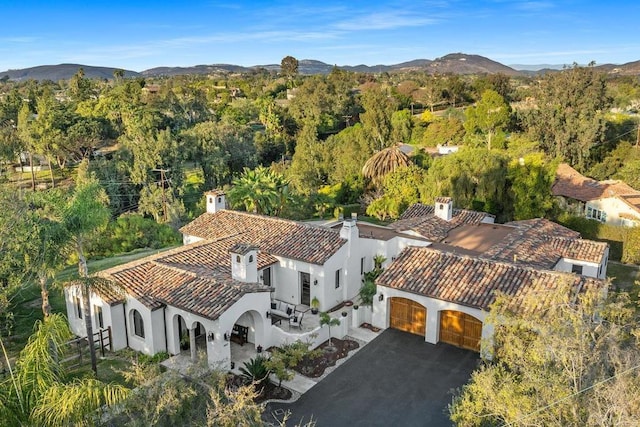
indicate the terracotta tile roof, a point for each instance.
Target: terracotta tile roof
{"x":421,"y":219}
{"x":470,"y":281}
{"x":633,"y":200}
{"x":196,"y":278}
{"x":542,"y":243}
{"x":289,"y":239}
{"x":570,"y":183}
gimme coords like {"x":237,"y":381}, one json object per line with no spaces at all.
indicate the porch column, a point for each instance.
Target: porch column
{"x":192,"y":345}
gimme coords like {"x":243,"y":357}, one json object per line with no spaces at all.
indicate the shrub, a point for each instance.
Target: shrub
{"x":133,"y":231}
{"x":621,"y":247}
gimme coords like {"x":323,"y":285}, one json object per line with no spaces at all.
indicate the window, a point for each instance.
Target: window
{"x":210,"y":199}
{"x":238,"y":259}
{"x":250,"y":258}
{"x":598,"y":215}
{"x":361,"y":266}
{"x":138,"y":324}
{"x":78,"y":304}
{"x":576,"y":269}
{"x":97,"y":309}
{"x":219,"y":199}
{"x":338,"y":271}
{"x":266,"y":276}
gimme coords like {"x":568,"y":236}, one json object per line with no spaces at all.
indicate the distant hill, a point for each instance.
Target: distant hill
{"x":536,"y":67}
{"x":454,"y":63}
{"x":62,"y":72}
{"x":197,"y":69}
{"x":628,"y":69}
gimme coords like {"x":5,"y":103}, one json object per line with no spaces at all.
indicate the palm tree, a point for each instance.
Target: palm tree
{"x":384,"y":162}
{"x":35,"y":392}
{"x":85,"y":214}
{"x":260,"y":190}
{"x":325,"y":319}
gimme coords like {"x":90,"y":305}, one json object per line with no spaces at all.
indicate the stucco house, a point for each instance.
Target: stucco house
{"x":247,"y":278}
{"x":611,"y":202}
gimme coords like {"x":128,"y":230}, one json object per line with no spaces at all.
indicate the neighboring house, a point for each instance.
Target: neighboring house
{"x":611,"y":202}
{"x":238,"y":274}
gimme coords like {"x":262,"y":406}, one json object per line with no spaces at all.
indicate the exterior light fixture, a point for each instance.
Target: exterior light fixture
{"x":380,"y":297}
{"x":226,"y":336}
{"x":315,"y":282}
{"x":268,"y":314}
{"x":211,"y":336}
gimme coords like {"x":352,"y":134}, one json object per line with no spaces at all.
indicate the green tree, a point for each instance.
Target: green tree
{"x":86,"y":214}
{"x":531,"y":179}
{"x":443,"y":131}
{"x":564,"y":358}
{"x":289,"y":67}
{"x":308,"y":169}
{"x":260,"y":191}
{"x":326,"y":319}
{"x":476,"y":178}
{"x":37,"y":391}
{"x":401,"y":189}
{"x":488,"y":118}
{"x":569,"y":117}
{"x":376,"y":119}
{"x":401,"y":126}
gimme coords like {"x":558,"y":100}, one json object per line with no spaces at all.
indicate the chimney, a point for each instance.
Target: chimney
{"x":244,"y":263}
{"x":444,"y":208}
{"x":215,"y":201}
{"x":349,"y":228}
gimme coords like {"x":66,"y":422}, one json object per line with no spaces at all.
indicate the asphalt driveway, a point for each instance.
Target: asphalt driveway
{"x":396,"y":380}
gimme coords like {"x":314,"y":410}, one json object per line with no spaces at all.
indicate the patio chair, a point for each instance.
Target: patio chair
{"x":295,"y":321}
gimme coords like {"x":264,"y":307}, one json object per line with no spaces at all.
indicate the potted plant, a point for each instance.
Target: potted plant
{"x":315,"y":305}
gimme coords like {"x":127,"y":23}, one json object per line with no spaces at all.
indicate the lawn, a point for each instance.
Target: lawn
{"x":624,"y":277}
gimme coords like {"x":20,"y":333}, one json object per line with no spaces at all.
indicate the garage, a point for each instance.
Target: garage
{"x":409,"y":316}
{"x":460,"y":329}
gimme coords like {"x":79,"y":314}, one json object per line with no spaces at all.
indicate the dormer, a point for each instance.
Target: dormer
{"x":215,"y":201}
{"x":244,"y":262}
{"x":444,"y":208}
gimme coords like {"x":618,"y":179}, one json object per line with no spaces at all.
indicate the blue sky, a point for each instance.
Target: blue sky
{"x":138,"y":35}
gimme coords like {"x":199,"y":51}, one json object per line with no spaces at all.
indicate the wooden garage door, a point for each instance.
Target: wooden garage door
{"x":409,"y":316}
{"x":460,"y":329}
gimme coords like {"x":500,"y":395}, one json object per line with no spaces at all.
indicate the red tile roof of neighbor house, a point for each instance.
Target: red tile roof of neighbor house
{"x":471,"y":281}
{"x":281,"y":237}
{"x":421,"y":219}
{"x":570,"y":183}
{"x":195,"y":278}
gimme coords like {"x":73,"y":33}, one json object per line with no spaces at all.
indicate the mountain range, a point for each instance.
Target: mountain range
{"x":454,"y":63}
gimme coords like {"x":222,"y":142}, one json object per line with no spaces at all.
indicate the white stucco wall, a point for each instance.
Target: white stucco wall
{"x":380,"y":313}
{"x":588,"y":269}
{"x":613,"y":207}
{"x":112,"y":316}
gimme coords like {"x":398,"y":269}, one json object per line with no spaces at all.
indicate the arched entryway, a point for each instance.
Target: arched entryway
{"x":190,"y":337}
{"x":247,"y":337}
{"x":407,"y":315}
{"x":460,"y":329}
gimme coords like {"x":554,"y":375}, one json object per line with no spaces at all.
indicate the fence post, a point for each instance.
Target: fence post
{"x":78,"y":343}
{"x":110,"y":338}
{"x":101,"y":343}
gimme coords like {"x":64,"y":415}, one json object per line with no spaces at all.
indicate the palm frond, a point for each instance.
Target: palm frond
{"x":76,"y":402}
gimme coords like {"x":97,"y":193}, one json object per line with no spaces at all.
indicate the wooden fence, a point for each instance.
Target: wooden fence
{"x":101,"y":340}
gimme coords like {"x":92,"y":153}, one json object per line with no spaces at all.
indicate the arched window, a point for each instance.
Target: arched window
{"x":250,"y":258}
{"x":138,"y":324}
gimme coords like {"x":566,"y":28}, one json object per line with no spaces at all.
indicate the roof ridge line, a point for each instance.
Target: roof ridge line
{"x":503,"y":263}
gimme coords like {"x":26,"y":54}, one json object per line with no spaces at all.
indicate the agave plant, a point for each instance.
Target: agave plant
{"x":256,"y":372}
